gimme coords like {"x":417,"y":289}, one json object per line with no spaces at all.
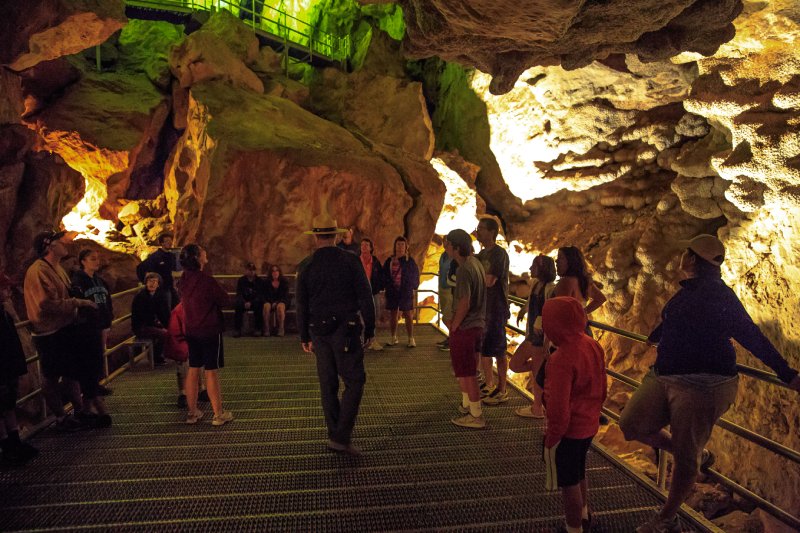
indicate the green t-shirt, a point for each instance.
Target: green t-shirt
{"x":470,"y":283}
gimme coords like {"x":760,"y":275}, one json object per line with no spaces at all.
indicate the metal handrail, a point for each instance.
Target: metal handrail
{"x":749,"y":435}
{"x":319,"y":42}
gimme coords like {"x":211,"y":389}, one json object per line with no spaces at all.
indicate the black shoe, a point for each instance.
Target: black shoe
{"x":603,"y":420}
{"x":69,"y":424}
{"x":26,"y":451}
{"x":707,"y":459}
{"x":237,"y":334}
{"x":203,"y":396}
{"x":104,"y":391}
{"x":257,"y":333}
{"x":182,"y":401}
{"x":444,"y":345}
{"x":586,"y":523}
{"x":159,"y":362}
{"x":103,"y":421}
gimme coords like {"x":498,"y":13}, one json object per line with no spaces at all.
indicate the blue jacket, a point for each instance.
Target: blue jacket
{"x":409,"y":278}
{"x":695,"y":334}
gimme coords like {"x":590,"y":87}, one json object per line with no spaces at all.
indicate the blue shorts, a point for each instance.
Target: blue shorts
{"x":206,"y":352}
{"x":495,"y":342}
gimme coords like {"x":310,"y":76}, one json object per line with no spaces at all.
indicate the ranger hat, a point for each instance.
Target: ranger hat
{"x":324,"y":224}
{"x":708,"y":247}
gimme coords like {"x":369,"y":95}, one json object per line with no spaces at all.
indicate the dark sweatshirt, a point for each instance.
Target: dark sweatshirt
{"x":332,"y":282}
{"x":203,"y":299}
{"x":695,"y":334}
{"x":575,"y":383}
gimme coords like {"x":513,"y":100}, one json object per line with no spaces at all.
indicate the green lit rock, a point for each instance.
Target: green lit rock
{"x":144,"y":47}
{"x":239,"y":38}
{"x":389,"y":18}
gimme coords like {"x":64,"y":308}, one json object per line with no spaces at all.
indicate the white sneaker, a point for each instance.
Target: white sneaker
{"x":412,"y":343}
{"x":376,"y":346}
{"x":222,"y":419}
{"x":194,"y":418}
{"x":469,"y":421}
{"x":394,"y":342}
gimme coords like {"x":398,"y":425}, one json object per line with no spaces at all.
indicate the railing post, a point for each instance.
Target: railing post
{"x":661,"y":476}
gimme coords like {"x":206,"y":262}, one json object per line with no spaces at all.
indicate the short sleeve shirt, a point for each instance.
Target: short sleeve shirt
{"x":495,"y":263}
{"x":470,"y":283}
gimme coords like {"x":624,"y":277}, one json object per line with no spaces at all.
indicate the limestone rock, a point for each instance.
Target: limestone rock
{"x":201,"y":57}
{"x":739,"y":521}
{"x":383,"y":109}
{"x":107,"y":127}
{"x":49,"y":29}
{"x":45,"y":82}
{"x":144,"y":46}
{"x":711,"y":500}
{"x":505,"y":38}
{"x":268,"y":61}
{"x":250,"y":161}
{"x":11,"y":98}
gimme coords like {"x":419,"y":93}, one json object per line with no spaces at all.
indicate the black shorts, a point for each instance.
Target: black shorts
{"x":570,"y":461}
{"x":57,"y":353}
{"x":89,"y":349}
{"x":9,"y":388}
{"x":495,"y":342}
{"x":206,"y":352}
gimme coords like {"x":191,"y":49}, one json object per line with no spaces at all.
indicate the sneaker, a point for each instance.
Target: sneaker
{"x":496,"y":397}
{"x":412,"y":343}
{"x":469,"y":421}
{"x":527,"y":412}
{"x":660,"y":525}
{"x":103,"y":421}
{"x":463,"y":410}
{"x":194,"y":418}
{"x":394,"y":342}
{"x":444,"y":346}
{"x":222,"y":419}
{"x":707,"y":459}
{"x":202,"y":396}
{"x":347,"y":449}
{"x":159,"y":362}
{"x":484,"y":389}
{"x":280,"y":332}
{"x":257,"y":333}
{"x":376,"y":346}
{"x":182,"y":401}
{"x":68,"y":424}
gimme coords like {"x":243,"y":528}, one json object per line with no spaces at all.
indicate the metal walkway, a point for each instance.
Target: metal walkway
{"x":268,"y":470}
{"x":273,"y":27}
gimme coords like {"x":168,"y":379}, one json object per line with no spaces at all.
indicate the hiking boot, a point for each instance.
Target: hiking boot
{"x":660,"y":525}
{"x":469,"y":421}
{"x":412,"y":343}
{"x":496,"y":397}
{"x":527,"y":412}
{"x":202,"y":396}
{"x":222,"y":419}
{"x":182,"y":404}
{"x":194,"y":418}
{"x":347,"y":449}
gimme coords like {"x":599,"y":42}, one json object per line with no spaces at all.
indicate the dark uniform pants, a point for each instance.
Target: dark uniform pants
{"x":334,"y":362}
{"x":256,"y":305}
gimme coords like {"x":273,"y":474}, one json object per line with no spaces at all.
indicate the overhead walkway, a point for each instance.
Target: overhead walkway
{"x":268,"y":470}
{"x":271,"y":23}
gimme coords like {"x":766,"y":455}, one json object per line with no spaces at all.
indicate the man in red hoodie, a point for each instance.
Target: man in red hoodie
{"x":574,"y":392}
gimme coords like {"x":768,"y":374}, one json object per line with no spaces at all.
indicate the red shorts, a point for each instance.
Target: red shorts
{"x":464,"y":347}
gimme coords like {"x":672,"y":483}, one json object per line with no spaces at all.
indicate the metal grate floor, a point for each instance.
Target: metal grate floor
{"x":269,"y":470}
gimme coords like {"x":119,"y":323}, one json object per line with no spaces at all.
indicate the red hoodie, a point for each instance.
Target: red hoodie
{"x":203,"y":299}
{"x":176,"y":347}
{"x":575,"y":380}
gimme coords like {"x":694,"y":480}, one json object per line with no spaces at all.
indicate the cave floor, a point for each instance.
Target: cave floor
{"x":269,"y":468}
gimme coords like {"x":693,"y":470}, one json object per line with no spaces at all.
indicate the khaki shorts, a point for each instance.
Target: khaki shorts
{"x":690,"y":408}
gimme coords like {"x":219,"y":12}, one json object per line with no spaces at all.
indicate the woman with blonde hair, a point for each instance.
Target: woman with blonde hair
{"x":401,"y":280}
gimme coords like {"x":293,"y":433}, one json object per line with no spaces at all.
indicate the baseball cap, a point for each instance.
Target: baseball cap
{"x":708,"y":247}
{"x":45,"y":239}
{"x":459,"y":238}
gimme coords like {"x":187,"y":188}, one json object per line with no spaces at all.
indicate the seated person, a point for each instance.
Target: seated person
{"x":150,"y":312}
{"x":276,"y":300}
{"x":248,"y":298}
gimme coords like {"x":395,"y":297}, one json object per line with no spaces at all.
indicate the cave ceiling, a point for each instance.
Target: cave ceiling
{"x":506,"y":37}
